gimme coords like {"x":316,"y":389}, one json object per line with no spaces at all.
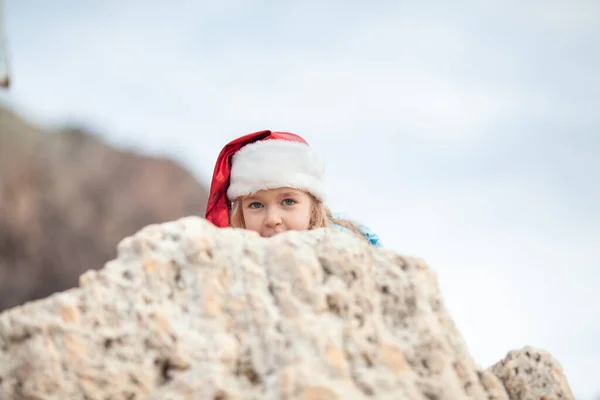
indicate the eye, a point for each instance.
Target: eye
{"x":255,"y":204}
{"x":289,"y":202}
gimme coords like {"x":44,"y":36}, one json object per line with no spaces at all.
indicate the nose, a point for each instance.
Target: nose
{"x":273,"y":217}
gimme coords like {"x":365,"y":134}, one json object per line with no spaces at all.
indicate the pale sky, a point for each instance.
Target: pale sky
{"x":462,"y":133}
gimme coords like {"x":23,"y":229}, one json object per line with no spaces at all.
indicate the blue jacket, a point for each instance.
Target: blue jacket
{"x":371,"y":236}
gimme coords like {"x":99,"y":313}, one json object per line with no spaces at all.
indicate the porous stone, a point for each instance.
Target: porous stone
{"x":532,"y":374}
{"x":190,"y":311}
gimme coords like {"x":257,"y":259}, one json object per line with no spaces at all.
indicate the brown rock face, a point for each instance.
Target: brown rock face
{"x":190,"y":311}
{"x":66,"y":199}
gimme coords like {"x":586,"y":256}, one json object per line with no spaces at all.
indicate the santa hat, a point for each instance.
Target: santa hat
{"x":259,"y":161}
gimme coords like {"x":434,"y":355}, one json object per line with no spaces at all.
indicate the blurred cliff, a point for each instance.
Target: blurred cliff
{"x":67,"y":199}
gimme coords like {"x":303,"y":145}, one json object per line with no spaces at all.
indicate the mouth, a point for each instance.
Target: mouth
{"x":270,"y":234}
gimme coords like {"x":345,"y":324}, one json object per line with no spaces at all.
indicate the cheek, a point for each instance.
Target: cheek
{"x":301,"y":219}
{"x":252,"y":220}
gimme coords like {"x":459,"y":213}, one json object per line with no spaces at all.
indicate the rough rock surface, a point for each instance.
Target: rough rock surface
{"x":532,"y":374}
{"x":67,"y":199}
{"x":189,"y":311}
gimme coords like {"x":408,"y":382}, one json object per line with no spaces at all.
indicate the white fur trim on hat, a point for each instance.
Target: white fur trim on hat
{"x":272,"y":164}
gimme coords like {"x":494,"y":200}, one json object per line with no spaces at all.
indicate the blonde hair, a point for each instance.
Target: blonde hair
{"x":321,"y":217}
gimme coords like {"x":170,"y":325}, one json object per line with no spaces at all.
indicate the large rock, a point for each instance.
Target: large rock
{"x":190,"y":311}
{"x":67,"y":199}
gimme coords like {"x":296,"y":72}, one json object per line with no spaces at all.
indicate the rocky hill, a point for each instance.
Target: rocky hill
{"x":67,"y":198}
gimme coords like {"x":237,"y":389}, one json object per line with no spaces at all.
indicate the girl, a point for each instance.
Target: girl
{"x":272,"y":182}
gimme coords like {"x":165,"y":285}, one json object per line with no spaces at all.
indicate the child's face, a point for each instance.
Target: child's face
{"x":273,"y":211}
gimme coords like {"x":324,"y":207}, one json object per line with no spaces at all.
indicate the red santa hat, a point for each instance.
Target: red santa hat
{"x":259,"y":161}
